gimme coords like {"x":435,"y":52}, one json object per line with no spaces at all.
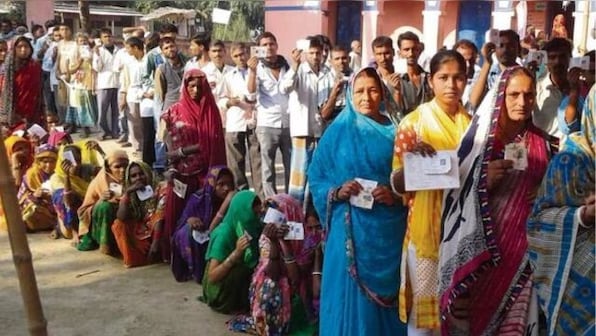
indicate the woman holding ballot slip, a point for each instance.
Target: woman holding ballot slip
{"x":434,"y":126}
{"x":485,"y":275}
{"x":363,"y":219}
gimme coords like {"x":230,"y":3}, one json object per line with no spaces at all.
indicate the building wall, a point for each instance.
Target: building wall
{"x":448,"y":23}
{"x":537,"y":14}
{"x":395,"y":17}
{"x":39,"y":11}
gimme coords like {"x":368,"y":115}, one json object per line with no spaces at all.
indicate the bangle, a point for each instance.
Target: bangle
{"x":289,"y":260}
{"x":336,"y":194}
{"x":393,"y":173}
{"x":580,"y":220}
{"x":317,"y":273}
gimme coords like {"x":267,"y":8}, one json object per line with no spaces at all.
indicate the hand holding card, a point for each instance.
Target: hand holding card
{"x":518,"y":153}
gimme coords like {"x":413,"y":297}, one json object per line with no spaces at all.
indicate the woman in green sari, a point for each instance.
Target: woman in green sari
{"x":232,"y":255}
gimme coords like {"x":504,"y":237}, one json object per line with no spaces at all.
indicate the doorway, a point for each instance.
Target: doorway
{"x":349,"y":22}
{"x":474,"y":20}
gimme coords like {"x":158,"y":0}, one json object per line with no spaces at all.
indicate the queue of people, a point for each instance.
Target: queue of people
{"x":349,"y":245}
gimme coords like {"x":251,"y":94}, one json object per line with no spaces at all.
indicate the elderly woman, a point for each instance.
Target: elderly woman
{"x":362,"y":254}
{"x":137,"y":228}
{"x":192,"y":130}
{"x":35,"y":199}
{"x":98,"y":211}
{"x":485,"y":276}
{"x":232,"y":255}
{"x":20,"y":157}
{"x":561,"y":233}
{"x":436,"y":125}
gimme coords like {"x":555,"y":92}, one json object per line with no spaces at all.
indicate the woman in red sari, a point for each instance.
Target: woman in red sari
{"x":193,"y":132}
{"x":21,"y":101}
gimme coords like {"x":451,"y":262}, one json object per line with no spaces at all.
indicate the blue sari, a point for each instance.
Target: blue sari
{"x":363,"y":247}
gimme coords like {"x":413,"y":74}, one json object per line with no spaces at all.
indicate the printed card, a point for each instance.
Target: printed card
{"x":518,"y":153}
{"x":538,"y":56}
{"x":180,"y":188}
{"x":247,"y":235}
{"x":116,"y":188}
{"x":401,"y":66}
{"x":303,"y":44}
{"x":365,"y":198}
{"x":37,"y":130}
{"x":295,"y":231}
{"x":580,"y":62}
{"x":68,"y":156}
{"x":258,"y":52}
{"x":145,"y":193}
{"x":274,"y":216}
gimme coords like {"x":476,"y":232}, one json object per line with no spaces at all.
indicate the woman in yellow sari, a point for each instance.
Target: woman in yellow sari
{"x":69,"y":185}
{"x":436,"y":125}
{"x":20,"y":158}
{"x":35,"y":200}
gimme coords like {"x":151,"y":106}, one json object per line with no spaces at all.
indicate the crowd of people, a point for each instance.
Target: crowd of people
{"x":348,"y":246}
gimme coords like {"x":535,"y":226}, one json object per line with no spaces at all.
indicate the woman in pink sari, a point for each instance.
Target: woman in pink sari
{"x":485,"y":279}
{"x":193,"y":132}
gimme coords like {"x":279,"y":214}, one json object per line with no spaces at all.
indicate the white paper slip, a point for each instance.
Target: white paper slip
{"x":401,"y":66}
{"x":37,"y":130}
{"x":19,"y":133}
{"x":438,"y":172}
{"x":116,"y":188}
{"x":295,"y":231}
{"x":247,"y":235}
{"x":274,"y":216}
{"x":365,"y":198}
{"x":580,"y":62}
{"x":518,"y":153}
{"x":200,"y":237}
{"x":303,"y":45}
{"x":145,"y":193}
{"x":538,"y":56}
{"x":258,"y":52}
{"x":180,"y":188}
{"x":68,"y":156}
{"x":59,"y":129}
{"x":47,"y":186}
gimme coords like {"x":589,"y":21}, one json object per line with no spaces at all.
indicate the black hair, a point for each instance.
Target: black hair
{"x":316,"y":42}
{"x":511,"y":34}
{"x":168,"y":28}
{"x":135,"y":42}
{"x":50,"y":23}
{"x":558,"y":44}
{"x":372,"y":73}
{"x":266,"y":35}
{"x":522,"y":71}
{"x":237,"y":45}
{"x":36,"y":27}
{"x":152,"y":40}
{"x":339,"y":47}
{"x":591,"y":54}
{"x":466,"y":44}
{"x":324,"y":40}
{"x":26,"y":40}
{"x":382,"y":41}
{"x":444,"y":56}
{"x":104,"y":30}
{"x":202,"y":39}
{"x":407,"y":36}
{"x":217,"y":43}
{"x":166,"y":40}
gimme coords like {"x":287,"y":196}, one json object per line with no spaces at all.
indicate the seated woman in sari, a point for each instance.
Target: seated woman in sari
{"x":137,"y":228}
{"x":98,"y":211}
{"x":204,"y":210}
{"x":35,"y":198}
{"x":57,"y":138}
{"x":278,"y":275}
{"x":21,"y":99}
{"x":20,"y":157}
{"x":193,"y":132}
{"x":232,"y":255}
{"x":485,"y":276}
{"x":436,"y":125}
{"x":69,"y":185}
{"x":561,"y":233}
{"x":362,"y":254}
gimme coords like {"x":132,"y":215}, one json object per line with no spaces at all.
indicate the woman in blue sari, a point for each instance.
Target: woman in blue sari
{"x":561,"y":233}
{"x":363,"y":246}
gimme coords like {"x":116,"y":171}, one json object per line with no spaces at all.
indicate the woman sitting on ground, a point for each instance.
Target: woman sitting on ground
{"x":137,"y":228}
{"x":204,"y":210}
{"x":35,"y":199}
{"x":20,"y":157}
{"x":232,"y":255}
{"x":98,"y":211}
{"x":69,"y":185}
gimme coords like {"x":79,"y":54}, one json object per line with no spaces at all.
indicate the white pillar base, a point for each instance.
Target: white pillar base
{"x":502,"y":19}
{"x":430,"y":30}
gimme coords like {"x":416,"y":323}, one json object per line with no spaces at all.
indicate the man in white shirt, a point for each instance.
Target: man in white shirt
{"x":469,"y":51}
{"x":215,"y":71}
{"x":264,"y":87}
{"x":356,"y":55}
{"x":240,"y":123}
{"x":340,"y":72}
{"x":309,"y":85}
{"x":551,"y":87}
{"x":132,"y":92}
{"x":107,"y":84}
{"x":48,"y":53}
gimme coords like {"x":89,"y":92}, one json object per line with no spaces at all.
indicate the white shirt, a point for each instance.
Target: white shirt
{"x":132,"y":82}
{"x":272,"y":99}
{"x":235,"y":86}
{"x":308,"y":92}
{"x":103,"y":64}
{"x":215,"y":77}
{"x":548,"y":99}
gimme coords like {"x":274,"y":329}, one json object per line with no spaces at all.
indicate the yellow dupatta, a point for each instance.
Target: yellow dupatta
{"x":78,"y":184}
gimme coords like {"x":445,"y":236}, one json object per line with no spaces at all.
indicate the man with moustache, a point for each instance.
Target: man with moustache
{"x":340,"y":72}
{"x":414,"y":85}
{"x":215,"y":71}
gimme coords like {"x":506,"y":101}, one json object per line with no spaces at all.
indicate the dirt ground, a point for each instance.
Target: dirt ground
{"x":87,"y":293}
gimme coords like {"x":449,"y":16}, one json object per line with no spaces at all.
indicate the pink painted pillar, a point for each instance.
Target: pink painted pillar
{"x":370,"y":16}
{"x":39,"y":11}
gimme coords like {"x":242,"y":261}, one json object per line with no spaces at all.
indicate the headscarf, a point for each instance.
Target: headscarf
{"x":10,"y":144}
{"x":55,"y":138}
{"x":239,"y":219}
{"x":371,"y":236}
{"x":138,"y":207}
{"x":7,"y":99}
{"x":35,"y":177}
{"x":483,"y":240}
{"x":79,"y":184}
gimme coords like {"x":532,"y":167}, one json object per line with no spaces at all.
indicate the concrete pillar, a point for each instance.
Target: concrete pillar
{"x":370,"y":15}
{"x":39,"y":11}
{"x":581,"y":27}
{"x":430,"y":29}
{"x":502,"y":14}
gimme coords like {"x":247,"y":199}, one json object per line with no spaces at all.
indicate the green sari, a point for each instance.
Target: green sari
{"x":231,"y":293}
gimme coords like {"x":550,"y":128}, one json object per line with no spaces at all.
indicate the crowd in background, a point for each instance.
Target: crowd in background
{"x":510,"y":251}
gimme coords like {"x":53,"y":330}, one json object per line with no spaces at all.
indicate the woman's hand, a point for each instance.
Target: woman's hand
{"x":175,"y":155}
{"x":487,"y":52}
{"x":107,"y":195}
{"x":275,"y":232}
{"x":496,"y":171}
{"x":588,"y":212}
{"x":68,"y":168}
{"x":196,"y":223}
{"x":93,"y":145}
{"x":350,"y":188}
{"x":383,"y":195}
{"x":135,"y":187}
{"x":423,"y":149}
{"x":242,"y":244}
{"x":38,"y":193}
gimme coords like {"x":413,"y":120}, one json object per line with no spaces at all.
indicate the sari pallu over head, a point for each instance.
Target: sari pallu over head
{"x":34,"y":177}
{"x":483,"y":238}
{"x":140,"y":208}
{"x":191,"y":122}
{"x":11,"y":145}
{"x":560,"y":250}
{"x":79,"y":184}
{"x":355,"y":145}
